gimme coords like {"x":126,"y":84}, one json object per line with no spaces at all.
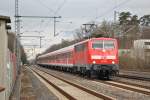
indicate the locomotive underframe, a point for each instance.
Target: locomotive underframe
{"x":106,"y":70}
{"x":100,"y":70}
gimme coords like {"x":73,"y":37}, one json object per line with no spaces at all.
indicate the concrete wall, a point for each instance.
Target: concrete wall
{"x":3,"y":56}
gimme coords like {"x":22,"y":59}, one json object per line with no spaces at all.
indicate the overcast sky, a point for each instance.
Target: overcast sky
{"x":74,"y":13}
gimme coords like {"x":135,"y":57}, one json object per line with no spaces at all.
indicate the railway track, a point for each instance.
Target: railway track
{"x":128,"y":86}
{"x":143,"y":76}
{"x":133,"y":84}
{"x":135,"y":77}
{"x":78,"y":91}
{"x":131,"y":87}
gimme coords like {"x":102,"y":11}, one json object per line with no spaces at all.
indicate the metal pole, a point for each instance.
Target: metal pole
{"x":40,"y":42}
{"x":17,"y":31}
{"x":17,"y":49}
{"x":54,"y":26}
{"x":115,"y":16}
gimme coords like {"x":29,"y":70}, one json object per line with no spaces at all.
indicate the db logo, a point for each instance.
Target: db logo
{"x":103,"y":57}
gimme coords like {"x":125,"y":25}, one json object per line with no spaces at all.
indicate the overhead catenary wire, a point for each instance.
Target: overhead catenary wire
{"x":60,"y":6}
{"x":50,"y":9}
{"x":44,"y":5}
{"x":112,"y":9}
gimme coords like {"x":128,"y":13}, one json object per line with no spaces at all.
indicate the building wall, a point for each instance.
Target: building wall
{"x":3,"y":57}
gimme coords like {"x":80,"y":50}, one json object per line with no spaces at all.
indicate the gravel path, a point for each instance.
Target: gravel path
{"x":40,"y":90}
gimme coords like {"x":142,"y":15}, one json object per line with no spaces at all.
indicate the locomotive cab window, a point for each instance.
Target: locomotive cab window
{"x":97,"y":45}
{"x":109,"y":45}
{"x":106,"y":44}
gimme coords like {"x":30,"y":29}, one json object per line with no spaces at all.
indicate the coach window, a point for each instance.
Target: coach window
{"x":64,"y":56}
{"x":54,"y":58}
{"x":61,"y":56}
{"x":85,"y":46}
{"x":147,"y":43}
{"x":80,"y":47}
{"x":69,"y":55}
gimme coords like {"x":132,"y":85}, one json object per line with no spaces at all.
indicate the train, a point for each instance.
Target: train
{"x":92,"y":57}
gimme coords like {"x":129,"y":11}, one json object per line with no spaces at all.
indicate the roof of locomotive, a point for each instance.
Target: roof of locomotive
{"x":103,"y":38}
{"x":70,"y":48}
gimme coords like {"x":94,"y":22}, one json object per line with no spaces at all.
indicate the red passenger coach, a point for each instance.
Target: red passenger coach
{"x":96,"y":56}
{"x":62,"y":57}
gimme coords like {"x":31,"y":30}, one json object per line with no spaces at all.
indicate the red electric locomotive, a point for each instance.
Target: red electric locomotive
{"x":95,"y":56}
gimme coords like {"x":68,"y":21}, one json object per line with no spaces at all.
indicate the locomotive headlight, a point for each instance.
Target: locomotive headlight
{"x":104,"y":50}
{"x":113,"y":62}
{"x":94,"y":62}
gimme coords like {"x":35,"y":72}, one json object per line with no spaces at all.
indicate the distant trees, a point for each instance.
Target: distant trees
{"x":145,"y":20}
{"x":107,"y":29}
{"x":79,"y":34}
{"x":124,"y":18}
{"x":23,"y":55}
{"x":134,"y":20}
{"x":129,"y":24}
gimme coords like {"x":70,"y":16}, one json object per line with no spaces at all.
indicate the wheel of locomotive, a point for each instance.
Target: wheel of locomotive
{"x":84,"y":71}
{"x":74,"y":70}
{"x":80,"y":71}
{"x":88,"y":73}
{"x":107,"y":75}
{"x":101,"y":74}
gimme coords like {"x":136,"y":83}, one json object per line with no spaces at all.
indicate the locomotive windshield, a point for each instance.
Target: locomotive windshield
{"x":109,"y":45}
{"x":97,"y":45}
{"x":106,"y":44}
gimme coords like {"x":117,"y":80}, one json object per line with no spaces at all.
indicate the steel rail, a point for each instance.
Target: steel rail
{"x":133,"y":84}
{"x":56,"y":87}
{"x":99,"y":95}
{"x":135,"y":77}
{"x":125,"y":87}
